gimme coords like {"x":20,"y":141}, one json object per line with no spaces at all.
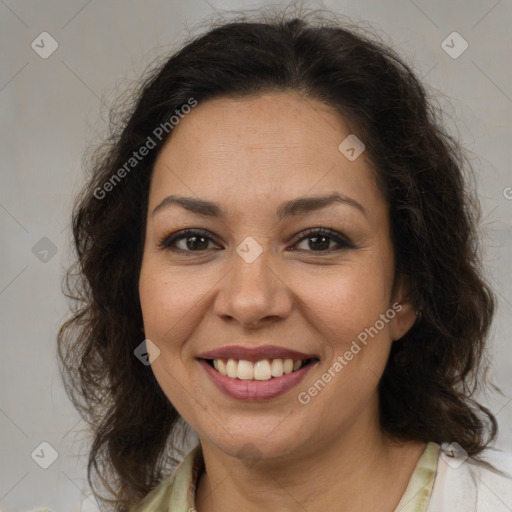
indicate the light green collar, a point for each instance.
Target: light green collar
{"x":177,"y":492}
{"x":418,"y":492}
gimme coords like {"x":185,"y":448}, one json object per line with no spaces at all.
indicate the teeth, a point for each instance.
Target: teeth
{"x":276,"y":368}
{"x":245,"y":370}
{"x":288,"y":366}
{"x":232,"y":368}
{"x":261,"y":370}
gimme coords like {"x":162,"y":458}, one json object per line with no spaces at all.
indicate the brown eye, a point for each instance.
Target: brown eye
{"x":195,"y":240}
{"x":319,"y":240}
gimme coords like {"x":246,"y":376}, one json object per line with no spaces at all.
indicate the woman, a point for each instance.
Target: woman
{"x":278,"y":247}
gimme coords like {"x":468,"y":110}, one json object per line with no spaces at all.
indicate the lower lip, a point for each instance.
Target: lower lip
{"x":255,"y":389}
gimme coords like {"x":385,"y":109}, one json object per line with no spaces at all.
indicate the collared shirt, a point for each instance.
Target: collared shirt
{"x":176,"y":493}
{"x":444,"y":480}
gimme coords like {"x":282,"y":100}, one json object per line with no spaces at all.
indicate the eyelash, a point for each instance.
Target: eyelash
{"x":166,"y":242}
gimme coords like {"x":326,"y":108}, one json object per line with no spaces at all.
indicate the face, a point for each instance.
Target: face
{"x":311,"y":277}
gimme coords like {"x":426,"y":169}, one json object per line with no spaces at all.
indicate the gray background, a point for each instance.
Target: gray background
{"x":52,"y":109}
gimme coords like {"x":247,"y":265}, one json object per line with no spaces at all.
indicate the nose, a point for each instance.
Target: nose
{"x":253,"y":293}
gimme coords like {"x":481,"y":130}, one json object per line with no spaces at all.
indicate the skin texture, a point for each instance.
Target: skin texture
{"x":249,"y":156}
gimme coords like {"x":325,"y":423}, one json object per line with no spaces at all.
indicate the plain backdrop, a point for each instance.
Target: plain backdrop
{"x":53,"y":108}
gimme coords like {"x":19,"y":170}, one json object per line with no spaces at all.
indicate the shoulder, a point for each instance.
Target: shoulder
{"x":465,"y":484}
{"x":176,"y":491}
{"x":155,"y":501}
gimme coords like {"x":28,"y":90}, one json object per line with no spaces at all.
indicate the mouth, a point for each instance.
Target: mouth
{"x":261,"y":370}
{"x":256,"y":373}
{"x":263,"y":379}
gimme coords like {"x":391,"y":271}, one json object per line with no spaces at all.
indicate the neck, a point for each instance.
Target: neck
{"x":314,"y":477}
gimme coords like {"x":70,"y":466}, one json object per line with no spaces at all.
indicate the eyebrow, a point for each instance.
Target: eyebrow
{"x":289,"y":208}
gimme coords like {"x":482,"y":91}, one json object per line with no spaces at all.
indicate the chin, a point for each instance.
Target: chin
{"x":257,"y":446}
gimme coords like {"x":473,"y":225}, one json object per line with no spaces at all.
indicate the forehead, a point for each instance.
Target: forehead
{"x":275,"y":144}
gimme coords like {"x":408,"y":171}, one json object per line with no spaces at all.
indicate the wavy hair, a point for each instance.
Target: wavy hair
{"x":427,"y":389}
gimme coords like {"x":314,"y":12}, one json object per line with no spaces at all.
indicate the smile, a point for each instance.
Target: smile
{"x":255,"y":381}
{"x":264,"y":369}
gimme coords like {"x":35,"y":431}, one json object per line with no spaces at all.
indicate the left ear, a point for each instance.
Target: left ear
{"x":405,"y":312}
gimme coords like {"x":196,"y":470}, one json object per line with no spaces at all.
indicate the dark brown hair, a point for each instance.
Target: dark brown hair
{"x":433,"y":371}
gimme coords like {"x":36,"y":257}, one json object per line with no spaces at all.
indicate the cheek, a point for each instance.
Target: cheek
{"x":168,"y":301}
{"x":346,"y":300}
{"x":170,"y":312}
{"x":346,"y":307}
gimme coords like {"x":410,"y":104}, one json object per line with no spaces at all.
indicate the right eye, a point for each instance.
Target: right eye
{"x":195,"y":240}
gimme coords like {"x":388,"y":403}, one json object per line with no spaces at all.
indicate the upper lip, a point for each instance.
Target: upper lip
{"x":255,"y":354}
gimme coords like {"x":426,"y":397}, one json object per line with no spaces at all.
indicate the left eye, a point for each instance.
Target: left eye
{"x":320,"y":239}
{"x":197,"y":240}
